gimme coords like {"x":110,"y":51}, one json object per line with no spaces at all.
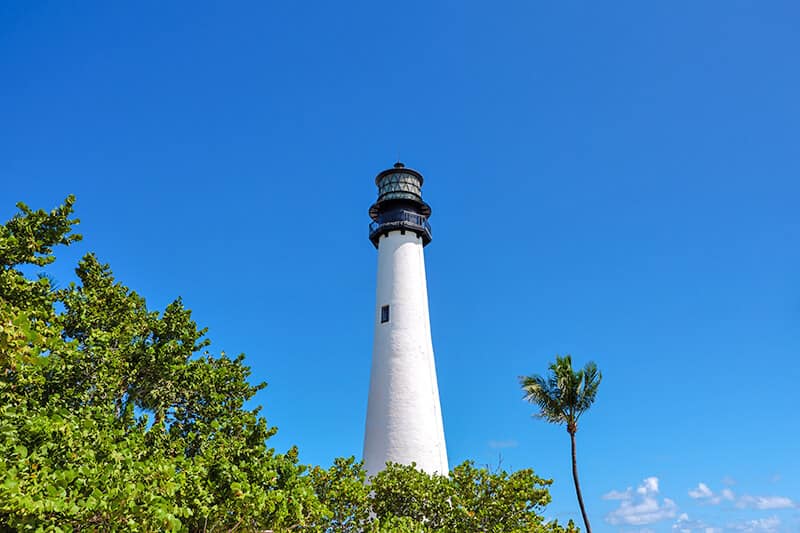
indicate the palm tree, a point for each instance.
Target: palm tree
{"x":562,"y":398}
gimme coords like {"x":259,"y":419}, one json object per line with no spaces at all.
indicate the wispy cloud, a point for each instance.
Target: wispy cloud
{"x":640,"y":507}
{"x":685,"y":525}
{"x":500,"y":444}
{"x":618,"y":495}
{"x":760,"y":525}
{"x":701,"y":492}
{"x":705,"y":495}
{"x":765,"y":502}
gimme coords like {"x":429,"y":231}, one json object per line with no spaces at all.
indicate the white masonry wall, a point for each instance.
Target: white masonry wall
{"x":404,"y":418}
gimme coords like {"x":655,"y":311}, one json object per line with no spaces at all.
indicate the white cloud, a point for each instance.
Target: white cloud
{"x":499,"y":444}
{"x":648,"y":486}
{"x":761,"y":525}
{"x":644,"y":512}
{"x":686,"y":525}
{"x":619,"y":495}
{"x":765,"y":502}
{"x":706,"y":495}
{"x":642,"y":508}
{"x":728,"y":481}
{"x":702,"y":491}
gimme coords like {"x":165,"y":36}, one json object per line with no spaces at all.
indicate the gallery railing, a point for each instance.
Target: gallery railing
{"x":400,"y":220}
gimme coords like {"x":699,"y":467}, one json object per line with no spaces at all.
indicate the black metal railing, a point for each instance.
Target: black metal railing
{"x":400,"y":219}
{"x":401,"y":216}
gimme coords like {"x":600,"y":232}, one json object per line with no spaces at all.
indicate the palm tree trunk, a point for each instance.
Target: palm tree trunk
{"x":578,"y":485}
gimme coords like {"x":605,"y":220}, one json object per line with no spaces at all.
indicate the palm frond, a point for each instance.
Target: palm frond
{"x":541,"y":392}
{"x":565,"y":394}
{"x":589,"y":386}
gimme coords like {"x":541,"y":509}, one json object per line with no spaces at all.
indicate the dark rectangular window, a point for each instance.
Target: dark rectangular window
{"x":384,"y":314}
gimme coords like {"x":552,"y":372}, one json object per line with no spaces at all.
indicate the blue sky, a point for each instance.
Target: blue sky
{"x":618,"y":182}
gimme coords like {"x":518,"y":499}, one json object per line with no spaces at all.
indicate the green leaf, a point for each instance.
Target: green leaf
{"x":21,"y":451}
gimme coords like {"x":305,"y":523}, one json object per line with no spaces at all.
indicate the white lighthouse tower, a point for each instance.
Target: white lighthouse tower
{"x":404,"y":418}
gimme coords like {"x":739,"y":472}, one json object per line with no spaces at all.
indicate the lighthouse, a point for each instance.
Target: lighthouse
{"x":404,"y":417}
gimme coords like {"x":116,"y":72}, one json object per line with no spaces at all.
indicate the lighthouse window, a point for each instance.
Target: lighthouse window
{"x":384,"y":314}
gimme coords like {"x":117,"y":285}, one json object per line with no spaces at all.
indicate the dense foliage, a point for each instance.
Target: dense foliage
{"x":114,"y":417}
